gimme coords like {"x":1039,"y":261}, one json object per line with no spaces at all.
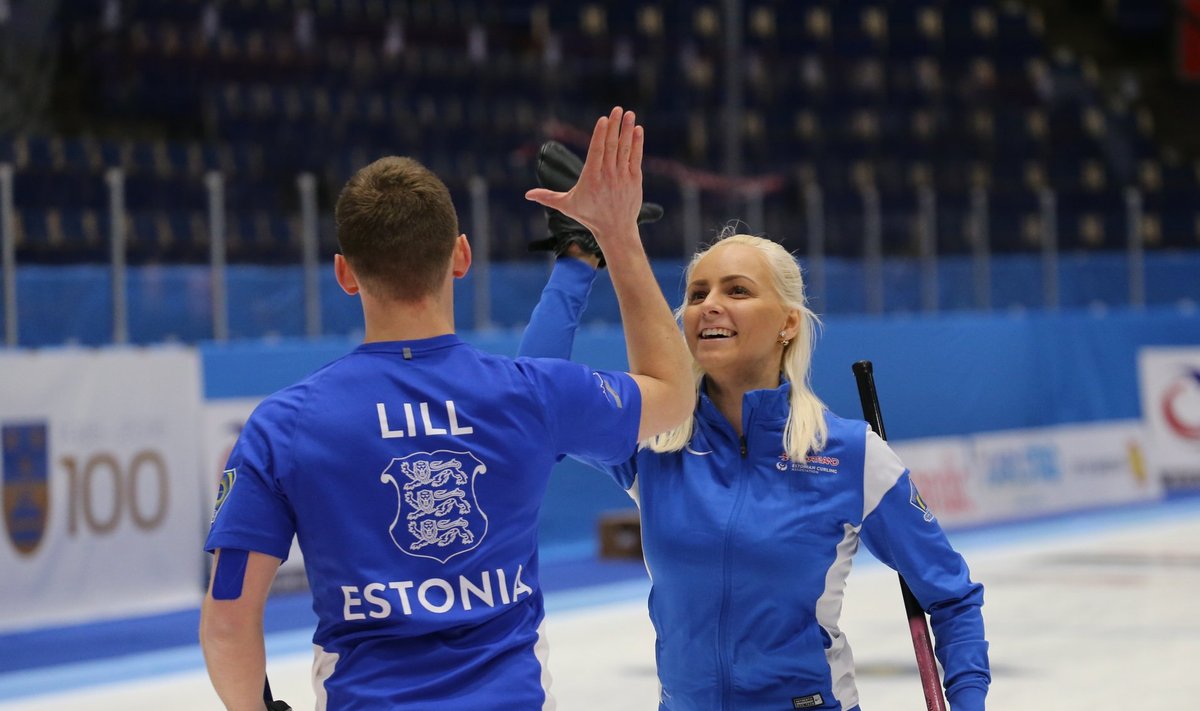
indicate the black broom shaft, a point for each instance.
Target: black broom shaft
{"x":864,"y":375}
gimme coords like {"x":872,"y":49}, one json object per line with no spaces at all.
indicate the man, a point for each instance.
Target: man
{"x":412,"y":470}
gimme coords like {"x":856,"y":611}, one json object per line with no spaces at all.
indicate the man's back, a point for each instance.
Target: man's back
{"x":414,"y":479}
{"x":412,"y":473}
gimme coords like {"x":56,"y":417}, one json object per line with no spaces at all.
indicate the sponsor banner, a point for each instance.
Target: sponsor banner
{"x":1105,"y":463}
{"x":1023,"y":473}
{"x":1170,"y":392}
{"x":100,"y":452}
{"x":223,"y":422}
{"x":1032,"y":472}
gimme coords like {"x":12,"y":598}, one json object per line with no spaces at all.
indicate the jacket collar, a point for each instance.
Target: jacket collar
{"x":760,"y":406}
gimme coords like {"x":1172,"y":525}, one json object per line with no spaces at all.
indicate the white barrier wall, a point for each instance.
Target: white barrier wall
{"x":100,"y":484}
{"x":1170,"y":390}
{"x":1021,"y":474}
{"x":111,"y":461}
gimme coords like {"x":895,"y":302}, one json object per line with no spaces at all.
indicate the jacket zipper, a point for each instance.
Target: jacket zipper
{"x":722,"y":627}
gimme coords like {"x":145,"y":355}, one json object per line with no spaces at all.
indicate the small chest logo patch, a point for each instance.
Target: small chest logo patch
{"x":808,"y":702}
{"x":813,"y":464}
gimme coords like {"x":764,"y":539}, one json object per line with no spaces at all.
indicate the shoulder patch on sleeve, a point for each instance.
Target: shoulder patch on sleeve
{"x":228,"y":477}
{"x":914,"y":498}
{"x":610,"y":393}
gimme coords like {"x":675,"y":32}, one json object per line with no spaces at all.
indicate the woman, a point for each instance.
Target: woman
{"x":753,"y":509}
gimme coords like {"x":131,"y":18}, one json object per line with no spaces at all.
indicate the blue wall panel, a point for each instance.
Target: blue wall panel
{"x":947,"y":375}
{"x":73,"y":304}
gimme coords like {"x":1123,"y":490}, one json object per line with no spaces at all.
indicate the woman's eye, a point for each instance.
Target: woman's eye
{"x":739,"y":290}
{"x":697,"y":296}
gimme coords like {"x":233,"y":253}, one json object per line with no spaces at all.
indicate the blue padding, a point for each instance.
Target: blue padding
{"x":174,"y":302}
{"x":229,"y":574}
{"x":255,"y":369}
{"x":937,"y":375}
{"x":944,"y":375}
{"x":962,"y":374}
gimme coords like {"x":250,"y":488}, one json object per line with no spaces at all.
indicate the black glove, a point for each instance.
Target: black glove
{"x":558,"y":169}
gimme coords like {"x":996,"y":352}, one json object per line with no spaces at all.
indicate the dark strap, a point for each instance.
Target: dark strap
{"x":273,"y":705}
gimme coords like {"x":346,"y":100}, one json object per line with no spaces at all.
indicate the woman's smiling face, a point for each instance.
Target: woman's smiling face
{"x":732,"y":316}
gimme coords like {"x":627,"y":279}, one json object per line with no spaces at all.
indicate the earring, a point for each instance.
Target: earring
{"x":784,"y":341}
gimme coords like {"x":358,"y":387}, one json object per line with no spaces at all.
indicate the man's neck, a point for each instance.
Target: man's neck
{"x":406,"y":321}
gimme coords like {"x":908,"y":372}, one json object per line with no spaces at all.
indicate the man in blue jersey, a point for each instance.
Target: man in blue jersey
{"x":412,"y":470}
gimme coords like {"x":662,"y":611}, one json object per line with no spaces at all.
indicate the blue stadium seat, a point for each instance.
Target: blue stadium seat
{"x":1014,"y":220}
{"x":76,"y":153}
{"x":940,"y":89}
{"x":82,"y":235}
{"x":1178,"y":212}
{"x":1091,"y":220}
{"x":31,"y":234}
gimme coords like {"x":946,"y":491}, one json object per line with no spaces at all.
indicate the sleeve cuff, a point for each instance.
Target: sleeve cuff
{"x":967,"y":698}
{"x":572,"y":275}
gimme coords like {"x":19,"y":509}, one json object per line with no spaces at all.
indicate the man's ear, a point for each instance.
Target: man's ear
{"x":460,"y":261}
{"x":345,"y":275}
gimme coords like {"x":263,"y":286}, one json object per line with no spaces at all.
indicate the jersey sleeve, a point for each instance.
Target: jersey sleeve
{"x":552,"y":325}
{"x":593,"y":415}
{"x":551,"y":334}
{"x":252,"y":512}
{"x":900,"y":530}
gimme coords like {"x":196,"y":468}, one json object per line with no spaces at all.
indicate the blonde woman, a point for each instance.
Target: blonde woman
{"x":752,"y":509}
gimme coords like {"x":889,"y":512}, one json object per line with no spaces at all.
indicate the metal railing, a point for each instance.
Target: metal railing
{"x":752,"y":199}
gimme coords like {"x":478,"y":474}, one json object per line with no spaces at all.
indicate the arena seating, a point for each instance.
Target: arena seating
{"x":901,"y":95}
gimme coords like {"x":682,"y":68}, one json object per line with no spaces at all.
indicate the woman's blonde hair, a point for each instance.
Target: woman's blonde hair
{"x":806,"y":429}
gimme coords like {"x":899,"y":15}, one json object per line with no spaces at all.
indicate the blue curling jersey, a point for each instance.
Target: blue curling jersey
{"x":412,"y":474}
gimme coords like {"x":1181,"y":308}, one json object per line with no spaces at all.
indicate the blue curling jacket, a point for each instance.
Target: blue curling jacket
{"x":749,"y":552}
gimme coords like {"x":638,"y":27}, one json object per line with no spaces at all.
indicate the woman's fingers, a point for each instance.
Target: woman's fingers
{"x":635,"y":156}
{"x":595,"y":153}
{"x":625,"y":146}
{"x":612,"y":140}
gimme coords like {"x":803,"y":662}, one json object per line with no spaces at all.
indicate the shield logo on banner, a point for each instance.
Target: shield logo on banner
{"x":26,"y":484}
{"x":437,"y":514}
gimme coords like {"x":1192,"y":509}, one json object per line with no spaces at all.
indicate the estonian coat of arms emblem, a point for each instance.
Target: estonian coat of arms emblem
{"x":437,"y":513}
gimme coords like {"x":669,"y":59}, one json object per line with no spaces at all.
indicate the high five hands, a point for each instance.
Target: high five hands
{"x":608,"y":196}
